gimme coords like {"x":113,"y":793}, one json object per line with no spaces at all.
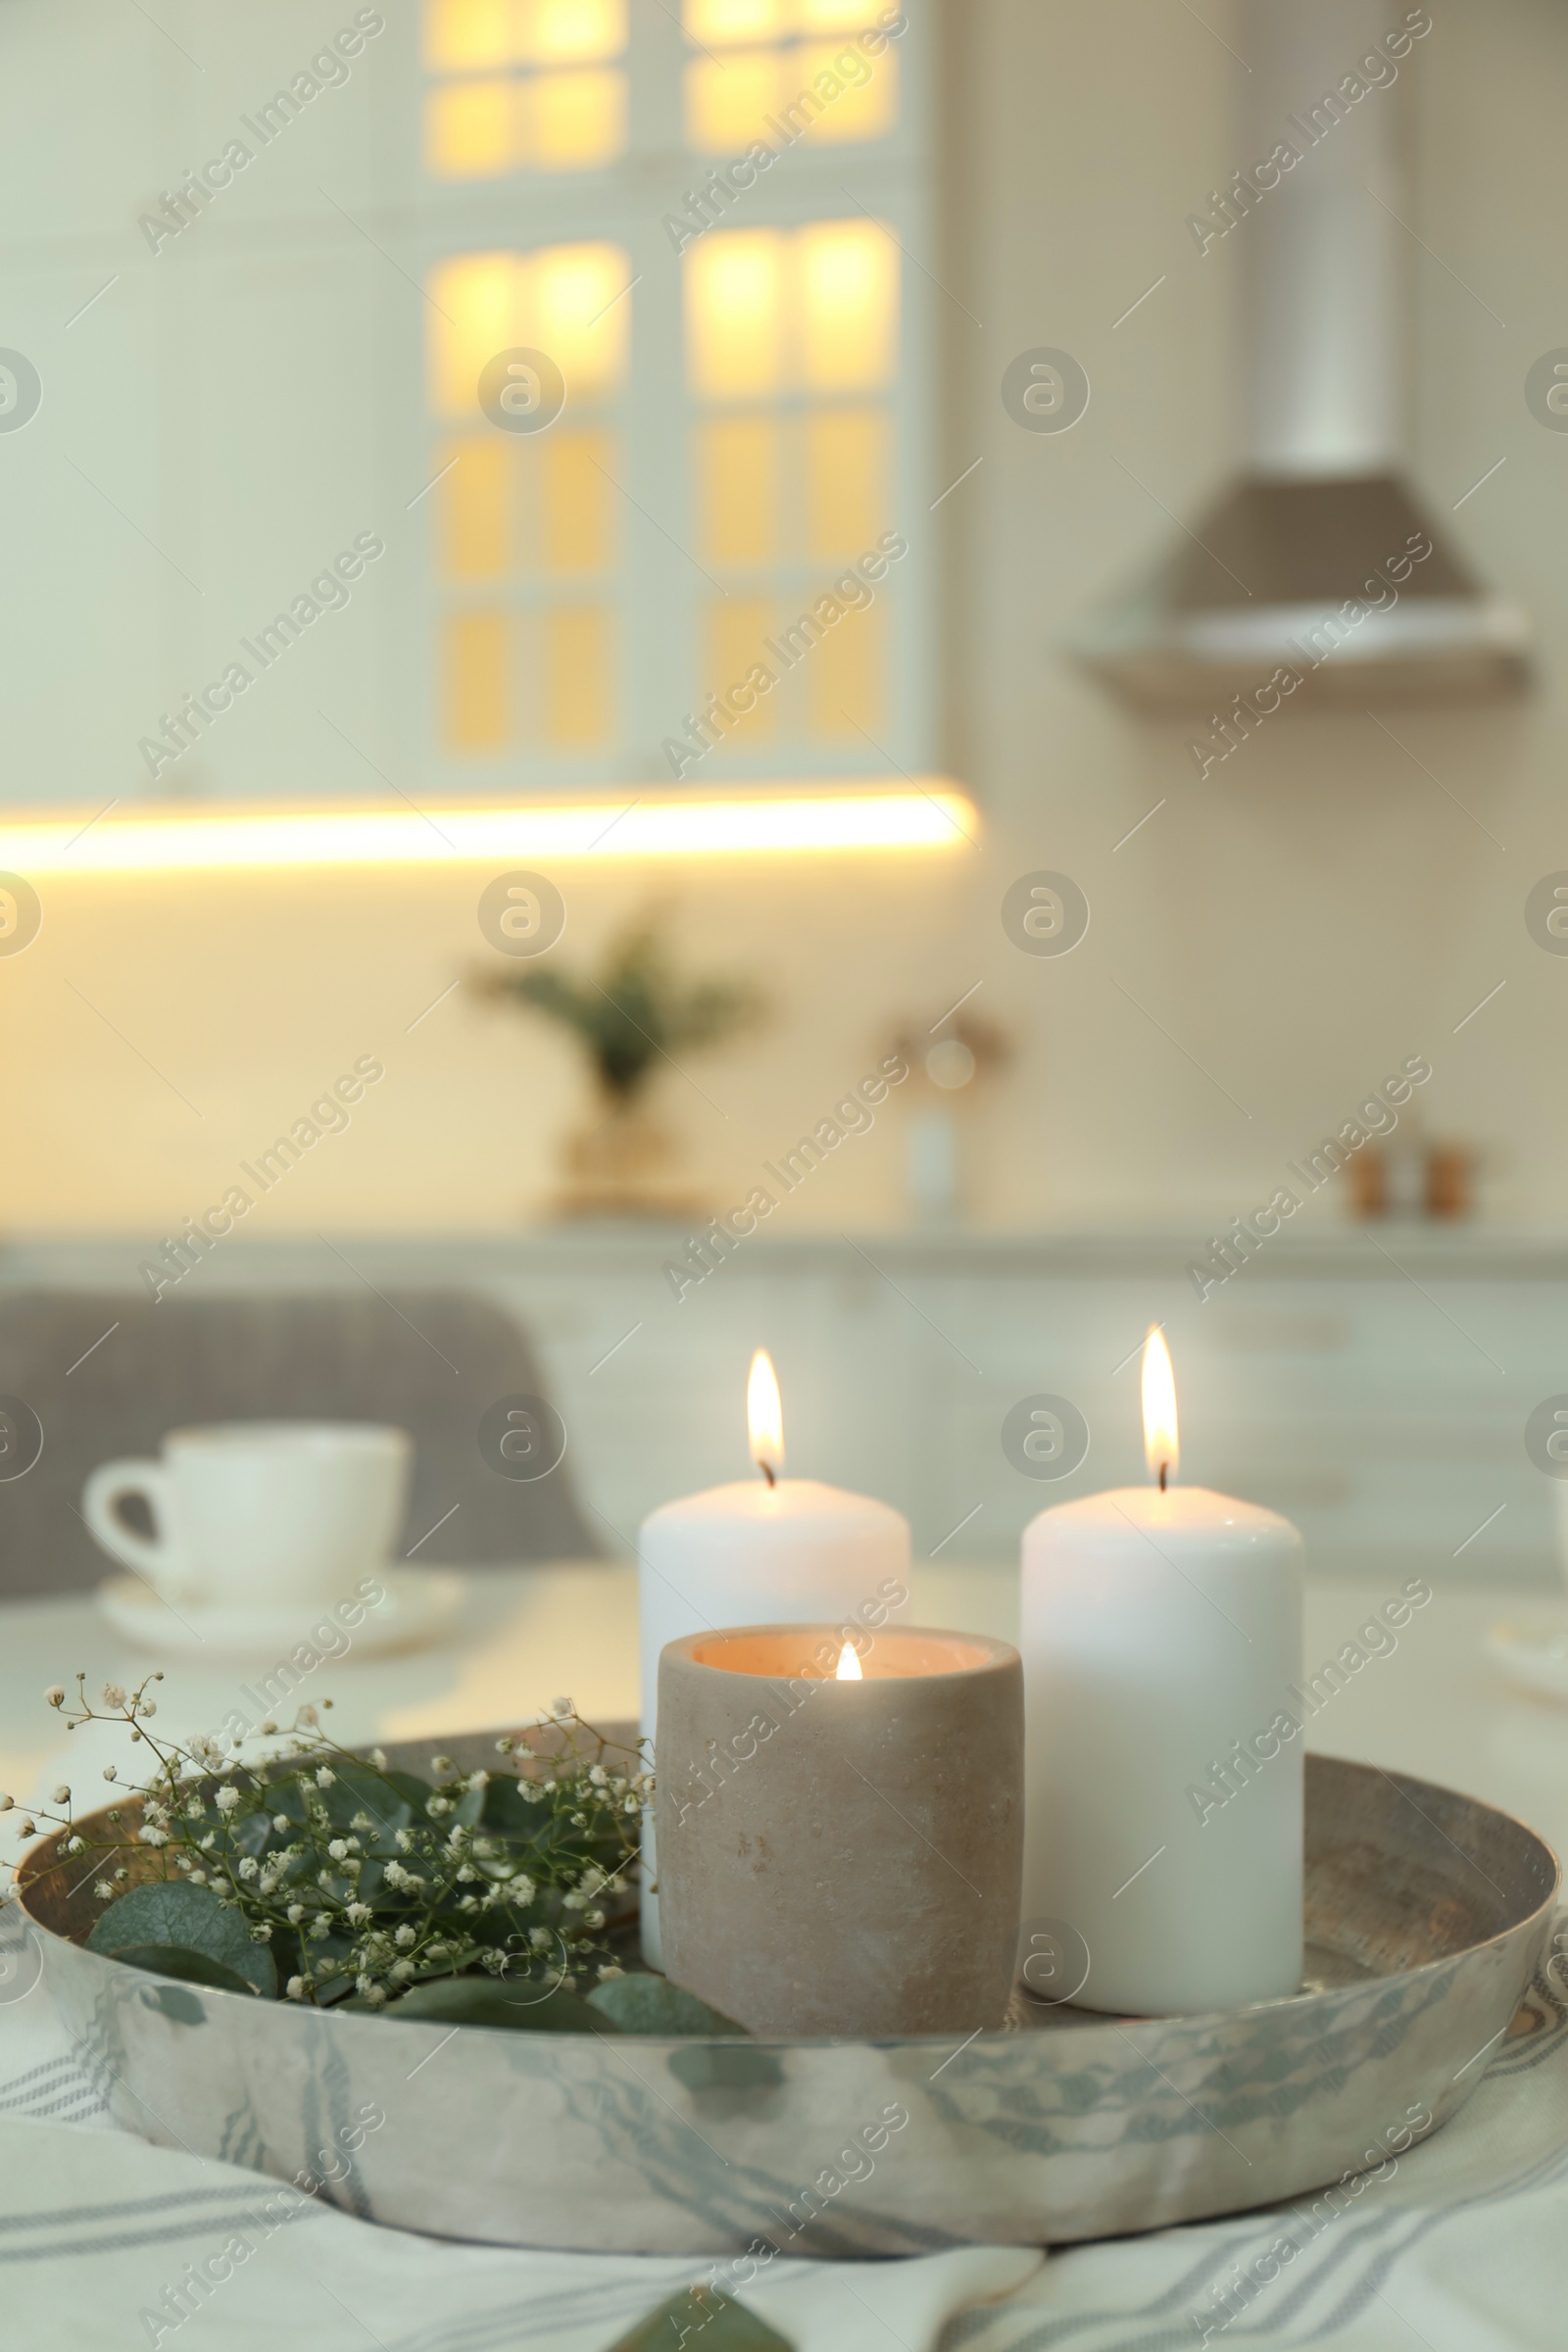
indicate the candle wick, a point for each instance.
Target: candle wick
{"x":1163,"y":1467}
{"x":767,"y":1469}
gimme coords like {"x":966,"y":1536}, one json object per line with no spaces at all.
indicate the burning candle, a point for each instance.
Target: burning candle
{"x":1161,"y":1635}
{"x":786,"y":1550}
{"x":840,"y":1827}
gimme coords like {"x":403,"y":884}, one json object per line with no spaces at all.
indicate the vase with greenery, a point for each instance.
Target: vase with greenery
{"x":635,"y":1019}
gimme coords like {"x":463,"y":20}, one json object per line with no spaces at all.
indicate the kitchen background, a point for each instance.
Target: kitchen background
{"x":1267,"y":946}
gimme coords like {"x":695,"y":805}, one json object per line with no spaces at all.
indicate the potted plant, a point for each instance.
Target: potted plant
{"x":634,"y":1018}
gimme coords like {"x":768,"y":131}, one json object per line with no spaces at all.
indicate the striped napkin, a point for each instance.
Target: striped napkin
{"x":107,"y":2243}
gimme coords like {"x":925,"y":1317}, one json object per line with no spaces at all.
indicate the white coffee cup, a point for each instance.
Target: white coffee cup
{"x":248,"y":1512}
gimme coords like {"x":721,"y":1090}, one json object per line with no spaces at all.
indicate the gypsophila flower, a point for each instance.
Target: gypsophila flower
{"x":561,"y":1706}
{"x":379,"y":1759}
{"x":337,"y":1848}
{"x":268,"y":1724}
{"x":295,"y":1913}
{"x":114,"y":1696}
{"x":310,"y":1716}
{"x":325,"y":1777}
{"x":280,"y":1823}
{"x":358,"y":1913}
{"x":103,"y":1890}
{"x":227,"y":1799}
{"x":54,"y":1695}
{"x":153,"y":1837}
{"x":296,"y":1988}
{"x":111,"y":1772}
{"x":404,"y":1934}
{"x":249,"y":1867}
{"x":61,"y":1795}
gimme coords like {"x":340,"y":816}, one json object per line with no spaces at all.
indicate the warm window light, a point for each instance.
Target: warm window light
{"x":848,"y":1665}
{"x":462,"y":35}
{"x":1161,"y":1449}
{"x":561,"y":299}
{"x":849,"y":298}
{"x":764,"y":1416}
{"x":734,"y":313}
{"x":719,"y":21}
{"x":828,"y":295}
{"x":572,"y":32}
{"x":829,"y":820}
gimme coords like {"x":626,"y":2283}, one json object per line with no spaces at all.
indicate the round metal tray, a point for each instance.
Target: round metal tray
{"x":1426,"y":1913}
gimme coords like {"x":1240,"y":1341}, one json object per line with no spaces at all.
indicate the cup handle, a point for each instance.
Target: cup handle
{"x":152,"y":1556}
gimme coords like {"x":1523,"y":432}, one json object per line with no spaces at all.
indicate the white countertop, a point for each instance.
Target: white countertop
{"x":1434,"y":1707}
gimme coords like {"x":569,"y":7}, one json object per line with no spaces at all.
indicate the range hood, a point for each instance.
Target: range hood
{"x":1319,"y":559}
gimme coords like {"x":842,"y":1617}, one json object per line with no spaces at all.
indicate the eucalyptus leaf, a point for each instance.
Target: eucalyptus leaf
{"x":646,"y":2004}
{"x":520,"y":2007}
{"x":169,"y":1913}
{"x":179,"y":1960}
{"x":725,"y":2325}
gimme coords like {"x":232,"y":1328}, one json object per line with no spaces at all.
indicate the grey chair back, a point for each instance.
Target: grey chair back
{"x":109,"y":1374}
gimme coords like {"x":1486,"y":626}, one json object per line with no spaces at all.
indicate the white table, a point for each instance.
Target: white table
{"x":1434,"y":1707}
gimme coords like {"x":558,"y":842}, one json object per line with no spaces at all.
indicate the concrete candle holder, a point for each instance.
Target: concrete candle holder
{"x":842,"y":1856}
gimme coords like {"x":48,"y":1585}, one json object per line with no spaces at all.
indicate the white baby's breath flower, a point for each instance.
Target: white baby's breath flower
{"x":610,"y":1971}
{"x":379,"y":1759}
{"x":339,"y":1849}
{"x":442,"y":1764}
{"x":54,"y":1695}
{"x":103,"y":1890}
{"x":401,"y":1970}
{"x":26,"y":1828}
{"x":296,"y":1988}
{"x":153,"y":1837}
{"x":111,"y":1772}
{"x":263,"y":1933}
{"x":114,"y":1696}
{"x":61,"y":1795}
{"x":309,"y":1715}
{"x":6,"y":1803}
{"x":599,"y":1776}
{"x":561,"y":1706}
{"x":198,"y":1878}
{"x":325,"y":1776}
{"x":281,"y":1823}
{"x":268,"y":1724}
{"x":358,"y":1913}
{"x":249,"y":1867}
{"x":573,"y":1902}
{"x":296,"y":1912}
{"x":227,"y":1798}
{"x":404,"y":1934}
{"x":478,"y":1780}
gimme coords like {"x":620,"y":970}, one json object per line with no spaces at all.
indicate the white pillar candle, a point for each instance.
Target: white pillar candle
{"x":1161,"y":1640}
{"x":769,"y":1550}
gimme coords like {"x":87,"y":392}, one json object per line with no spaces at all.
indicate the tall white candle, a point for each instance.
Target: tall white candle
{"x":1161,"y":1635}
{"x":769,"y":1550}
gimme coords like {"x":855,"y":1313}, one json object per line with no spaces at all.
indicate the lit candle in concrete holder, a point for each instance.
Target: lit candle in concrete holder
{"x":840,"y":1827}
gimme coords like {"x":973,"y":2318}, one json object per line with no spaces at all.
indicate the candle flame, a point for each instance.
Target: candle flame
{"x":764,"y":1416}
{"x":1161,"y":1448}
{"x":849,"y":1667}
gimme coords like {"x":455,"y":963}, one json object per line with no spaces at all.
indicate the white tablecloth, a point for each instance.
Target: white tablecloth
{"x":1460,"y":2245}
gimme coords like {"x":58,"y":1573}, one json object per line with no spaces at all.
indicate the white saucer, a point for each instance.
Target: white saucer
{"x":1532,"y":1650}
{"x":418,"y":1602}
